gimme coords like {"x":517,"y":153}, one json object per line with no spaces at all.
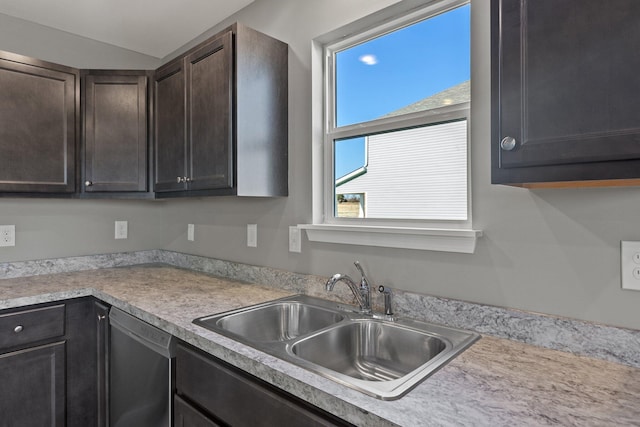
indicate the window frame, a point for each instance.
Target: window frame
{"x":414,"y":234}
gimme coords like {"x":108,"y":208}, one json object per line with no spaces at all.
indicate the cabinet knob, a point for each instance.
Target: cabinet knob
{"x":18,"y":329}
{"x":88,"y":183}
{"x":101,"y":317}
{"x":508,"y":143}
{"x":180,"y":180}
{"x":187,"y":179}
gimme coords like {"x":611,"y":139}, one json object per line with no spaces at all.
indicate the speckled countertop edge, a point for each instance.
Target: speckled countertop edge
{"x":578,"y":337}
{"x":495,"y":382}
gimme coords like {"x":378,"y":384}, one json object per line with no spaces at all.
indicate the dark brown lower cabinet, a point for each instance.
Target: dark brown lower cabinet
{"x":32,"y":391}
{"x":211,"y":392}
{"x":186,"y":415}
{"x":50,"y":364}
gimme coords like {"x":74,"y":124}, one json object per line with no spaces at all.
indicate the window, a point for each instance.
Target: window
{"x":395,"y":138}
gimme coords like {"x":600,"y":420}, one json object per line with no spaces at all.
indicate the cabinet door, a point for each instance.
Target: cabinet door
{"x":33,"y":387}
{"x":170,"y":127}
{"x":37,"y":126}
{"x":115,"y":133}
{"x":83,"y":328}
{"x":564,"y":81}
{"x":209,"y":112}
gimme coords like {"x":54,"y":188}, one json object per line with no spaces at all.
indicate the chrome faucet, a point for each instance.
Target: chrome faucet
{"x":362,"y":292}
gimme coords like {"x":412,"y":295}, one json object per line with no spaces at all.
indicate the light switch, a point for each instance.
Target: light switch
{"x":252,"y":235}
{"x":294,"y":239}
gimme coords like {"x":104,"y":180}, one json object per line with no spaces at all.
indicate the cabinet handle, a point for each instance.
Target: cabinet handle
{"x":187,"y":179}
{"x":18,"y":329}
{"x":181,"y":179}
{"x":101,"y":317}
{"x":508,"y":143}
{"x":88,"y":183}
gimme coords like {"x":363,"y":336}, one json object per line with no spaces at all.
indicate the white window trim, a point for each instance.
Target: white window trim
{"x":447,"y":236}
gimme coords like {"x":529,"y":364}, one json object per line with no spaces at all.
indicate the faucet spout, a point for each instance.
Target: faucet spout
{"x":361,"y":291}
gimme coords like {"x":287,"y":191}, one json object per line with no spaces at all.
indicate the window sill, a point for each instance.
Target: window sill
{"x":444,"y":240}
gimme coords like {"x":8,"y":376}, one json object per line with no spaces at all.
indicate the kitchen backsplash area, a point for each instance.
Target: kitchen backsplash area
{"x":604,"y":342}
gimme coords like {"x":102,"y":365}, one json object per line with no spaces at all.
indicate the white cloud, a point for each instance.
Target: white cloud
{"x":369,"y":59}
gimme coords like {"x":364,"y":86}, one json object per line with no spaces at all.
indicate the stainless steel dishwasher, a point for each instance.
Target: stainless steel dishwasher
{"x":140,"y":373}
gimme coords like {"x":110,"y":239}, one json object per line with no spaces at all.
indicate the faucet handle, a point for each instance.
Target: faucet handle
{"x":364,"y":281}
{"x":359,"y":267}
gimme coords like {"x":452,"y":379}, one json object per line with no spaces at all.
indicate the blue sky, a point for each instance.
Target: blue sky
{"x":395,"y":70}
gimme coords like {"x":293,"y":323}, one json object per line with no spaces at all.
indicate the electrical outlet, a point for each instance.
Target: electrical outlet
{"x":252,"y":235}
{"x":295,"y":245}
{"x":121,"y":229}
{"x":630,"y":265}
{"x":190,"y":232}
{"x":7,"y":235}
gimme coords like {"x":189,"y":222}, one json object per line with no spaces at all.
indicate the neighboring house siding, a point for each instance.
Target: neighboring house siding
{"x":415,"y":174}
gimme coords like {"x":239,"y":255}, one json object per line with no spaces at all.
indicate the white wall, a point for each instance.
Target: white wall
{"x":551,"y":251}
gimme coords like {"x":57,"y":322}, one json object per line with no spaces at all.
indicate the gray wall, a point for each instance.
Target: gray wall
{"x":38,"y":41}
{"x":551,"y":251}
{"x":48,"y":228}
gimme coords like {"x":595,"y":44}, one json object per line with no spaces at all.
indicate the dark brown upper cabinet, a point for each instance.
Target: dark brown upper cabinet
{"x":115,"y":132}
{"x":193,"y":120}
{"x":221,"y":118}
{"x":38,"y":126}
{"x":564,"y":92}
{"x":170,"y":127}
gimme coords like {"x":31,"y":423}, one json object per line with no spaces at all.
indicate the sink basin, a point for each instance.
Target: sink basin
{"x":370,"y":350}
{"x":381,"y":357}
{"x":273,"y":321}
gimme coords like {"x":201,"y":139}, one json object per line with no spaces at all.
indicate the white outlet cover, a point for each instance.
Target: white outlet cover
{"x":121,"y":230}
{"x":7,"y":235}
{"x":190,"y":232}
{"x":630,"y":265}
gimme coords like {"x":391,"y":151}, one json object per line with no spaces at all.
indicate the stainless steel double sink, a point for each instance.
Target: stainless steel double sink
{"x":380,"y":357}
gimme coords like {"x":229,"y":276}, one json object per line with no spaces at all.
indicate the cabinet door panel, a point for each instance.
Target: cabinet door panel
{"x":37,"y":128}
{"x":83,"y":392}
{"x":33,"y":387}
{"x":115,"y":133}
{"x":566,"y":81}
{"x":170,"y":127}
{"x":209,"y":103}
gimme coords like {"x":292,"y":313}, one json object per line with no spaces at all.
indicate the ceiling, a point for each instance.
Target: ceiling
{"x":152,"y":27}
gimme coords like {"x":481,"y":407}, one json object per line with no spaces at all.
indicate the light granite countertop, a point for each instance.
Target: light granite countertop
{"x":496,"y":382}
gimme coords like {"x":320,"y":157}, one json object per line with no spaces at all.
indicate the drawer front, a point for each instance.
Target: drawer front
{"x":186,"y":415}
{"x":24,"y":327}
{"x":236,"y":399}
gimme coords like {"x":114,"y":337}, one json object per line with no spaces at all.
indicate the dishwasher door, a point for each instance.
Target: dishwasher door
{"x":140,"y":373}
